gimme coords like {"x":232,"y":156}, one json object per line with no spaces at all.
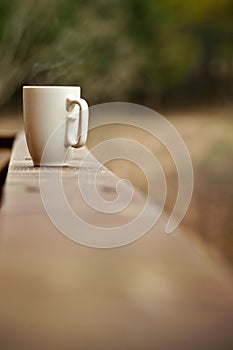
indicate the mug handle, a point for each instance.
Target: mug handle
{"x":82,"y":123}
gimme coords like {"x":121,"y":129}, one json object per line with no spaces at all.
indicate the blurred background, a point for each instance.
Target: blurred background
{"x":175,"y":56}
{"x":156,"y":53}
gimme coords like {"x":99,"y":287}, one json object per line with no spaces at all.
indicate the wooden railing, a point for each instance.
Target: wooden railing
{"x":9,"y":126}
{"x":158,"y":292}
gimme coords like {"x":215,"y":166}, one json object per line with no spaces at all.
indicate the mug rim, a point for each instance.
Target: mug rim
{"x":50,"y":86}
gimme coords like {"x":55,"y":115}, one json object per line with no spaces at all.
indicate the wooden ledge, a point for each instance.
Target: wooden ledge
{"x":156,"y":293}
{"x":4,"y":161}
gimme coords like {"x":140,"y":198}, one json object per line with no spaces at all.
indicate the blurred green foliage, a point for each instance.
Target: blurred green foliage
{"x":144,"y":51}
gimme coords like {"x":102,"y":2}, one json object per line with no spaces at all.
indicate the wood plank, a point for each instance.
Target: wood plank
{"x":156,"y":293}
{"x":4,"y":158}
{"x":10,"y":124}
{"x":4,"y":161}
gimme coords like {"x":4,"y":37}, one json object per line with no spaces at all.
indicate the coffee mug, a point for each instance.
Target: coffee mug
{"x":56,"y":115}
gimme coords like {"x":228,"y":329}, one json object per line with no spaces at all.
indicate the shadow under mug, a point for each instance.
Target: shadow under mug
{"x":54,"y":115}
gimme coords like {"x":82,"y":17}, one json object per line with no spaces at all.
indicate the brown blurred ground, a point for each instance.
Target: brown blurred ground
{"x":208,"y":134}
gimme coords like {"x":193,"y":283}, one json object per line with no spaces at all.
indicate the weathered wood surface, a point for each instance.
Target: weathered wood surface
{"x":4,"y":158}
{"x":156,"y":293}
{"x":4,"y":161}
{"x":10,"y":125}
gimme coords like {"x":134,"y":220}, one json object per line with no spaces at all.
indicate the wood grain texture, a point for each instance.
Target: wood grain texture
{"x":156,"y":293}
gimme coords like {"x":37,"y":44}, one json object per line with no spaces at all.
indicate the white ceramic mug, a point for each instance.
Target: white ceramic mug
{"x":56,"y":112}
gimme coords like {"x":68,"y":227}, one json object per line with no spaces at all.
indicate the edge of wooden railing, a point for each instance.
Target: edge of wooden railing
{"x":10,"y":125}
